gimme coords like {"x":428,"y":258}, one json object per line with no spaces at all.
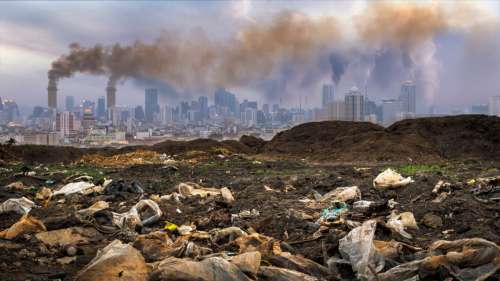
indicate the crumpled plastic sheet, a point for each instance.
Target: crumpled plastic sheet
{"x":357,"y":248}
{"x":390,"y":179}
{"x":19,"y":205}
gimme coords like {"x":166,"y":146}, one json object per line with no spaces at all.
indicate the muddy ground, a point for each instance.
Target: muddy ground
{"x":463,"y":214}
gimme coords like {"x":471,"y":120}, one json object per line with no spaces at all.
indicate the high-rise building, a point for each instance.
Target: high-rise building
{"x":328,"y":95}
{"x":203,"y":103}
{"x":151,"y":104}
{"x":139,"y":113}
{"x":65,"y":123}
{"x":111,"y":96}
{"x":408,"y":97}
{"x":52,"y":94}
{"x":101,"y":108}
{"x":70,"y":103}
{"x":354,"y":105}
{"x":494,"y":105}
{"x":226,"y":101}
{"x":391,"y":111}
{"x":335,"y":110}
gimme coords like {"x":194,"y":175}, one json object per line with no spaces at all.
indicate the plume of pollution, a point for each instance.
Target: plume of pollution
{"x":293,"y":50}
{"x":194,"y":62}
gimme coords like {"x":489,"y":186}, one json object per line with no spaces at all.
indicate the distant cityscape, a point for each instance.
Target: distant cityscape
{"x":89,"y":123}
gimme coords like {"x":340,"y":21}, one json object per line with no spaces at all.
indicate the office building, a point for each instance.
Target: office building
{"x":226,"y":101}
{"x":408,"y":97}
{"x":151,"y":104}
{"x":328,"y":95}
{"x":101,"y":108}
{"x":354,"y":105}
{"x":70,"y":103}
{"x":335,"y":110}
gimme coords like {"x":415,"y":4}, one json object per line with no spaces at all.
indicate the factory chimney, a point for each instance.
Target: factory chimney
{"x":52,"y":94}
{"x":111,"y":96}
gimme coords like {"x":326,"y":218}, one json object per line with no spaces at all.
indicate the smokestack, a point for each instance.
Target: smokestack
{"x":111,"y":96}
{"x":52,"y":94}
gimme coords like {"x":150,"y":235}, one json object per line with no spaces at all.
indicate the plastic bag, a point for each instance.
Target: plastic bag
{"x":357,"y":247}
{"x":390,"y":179}
{"x":19,"y":205}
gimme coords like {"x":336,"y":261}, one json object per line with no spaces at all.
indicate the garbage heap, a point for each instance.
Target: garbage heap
{"x":114,"y":230}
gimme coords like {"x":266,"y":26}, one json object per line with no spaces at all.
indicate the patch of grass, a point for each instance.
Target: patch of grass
{"x":414,"y":169}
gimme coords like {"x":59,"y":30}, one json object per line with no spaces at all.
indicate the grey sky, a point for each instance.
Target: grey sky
{"x":465,"y":65}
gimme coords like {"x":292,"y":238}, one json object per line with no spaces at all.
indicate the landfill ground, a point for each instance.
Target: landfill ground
{"x":285,"y":197}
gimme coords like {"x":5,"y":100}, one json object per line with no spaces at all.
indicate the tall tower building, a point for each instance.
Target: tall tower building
{"x":70,"y":103}
{"x":52,"y":94}
{"x":101,"y":108}
{"x":328,"y":95}
{"x":354,"y":105}
{"x":408,"y":97}
{"x":111,"y":96}
{"x":151,"y":104}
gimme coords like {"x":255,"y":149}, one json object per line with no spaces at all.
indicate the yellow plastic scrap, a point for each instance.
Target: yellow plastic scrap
{"x":170,"y":226}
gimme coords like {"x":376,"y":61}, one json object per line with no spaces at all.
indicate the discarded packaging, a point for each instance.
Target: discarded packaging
{"x":44,"y":195}
{"x":227,"y":195}
{"x":96,"y":207}
{"x":210,"y":269}
{"x":192,"y":189}
{"x":400,"y":222}
{"x":246,"y":214}
{"x":26,"y":225}
{"x":342,"y":194}
{"x":19,"y":205}
{"x":390,"y":179}
{"x":335,"y":211}
{"x":81,"y":187}
{"x":116,"y":261}
{"x":357,"y":248}
{"x":120,"y":186}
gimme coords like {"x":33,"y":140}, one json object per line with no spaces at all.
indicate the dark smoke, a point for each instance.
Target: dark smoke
{"x":338,"y":65}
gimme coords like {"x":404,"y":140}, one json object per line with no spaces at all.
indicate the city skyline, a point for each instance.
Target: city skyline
{"x":455,"y":65}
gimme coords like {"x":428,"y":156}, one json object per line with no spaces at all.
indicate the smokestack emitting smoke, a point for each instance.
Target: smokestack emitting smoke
{"x":291,"y":43}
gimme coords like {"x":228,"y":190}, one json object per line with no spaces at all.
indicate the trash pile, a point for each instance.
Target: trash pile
{"x":301,"y":228}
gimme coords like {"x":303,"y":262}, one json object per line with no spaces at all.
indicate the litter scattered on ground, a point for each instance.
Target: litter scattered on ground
{"x":230,"y":218}
{"x":390,"y":179}
{"x":18,"y":205}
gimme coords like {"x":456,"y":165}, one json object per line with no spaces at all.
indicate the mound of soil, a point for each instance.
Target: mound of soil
{"x":424,"y":139}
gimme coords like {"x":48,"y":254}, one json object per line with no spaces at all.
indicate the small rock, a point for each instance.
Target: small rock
{"x":432,"y":221}
{"x":71,"y":251}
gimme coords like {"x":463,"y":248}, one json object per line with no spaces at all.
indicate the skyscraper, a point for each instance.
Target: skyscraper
{"x":151,"y":104}
{"x":354,"y":105}
{"x":328,"y":95}
{"x":101,"y":108}
{"x":226,"y":101}
{"x":139,"y":113}
{"x":203,"y":103}
{"x":70,"y":103}
{"x":408,"y":97}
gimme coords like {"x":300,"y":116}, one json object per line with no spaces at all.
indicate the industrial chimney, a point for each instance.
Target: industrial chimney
{"x":52,"y":94}
{"x":111,"y":96}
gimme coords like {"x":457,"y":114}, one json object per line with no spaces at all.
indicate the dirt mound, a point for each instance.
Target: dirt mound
{"x":205,"y":145}
{"x":425,"y":139}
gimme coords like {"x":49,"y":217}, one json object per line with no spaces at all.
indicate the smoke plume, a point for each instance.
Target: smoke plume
{"x":391,"y":42}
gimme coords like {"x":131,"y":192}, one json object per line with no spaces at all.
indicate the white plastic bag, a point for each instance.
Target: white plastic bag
{"x":390,"y":179}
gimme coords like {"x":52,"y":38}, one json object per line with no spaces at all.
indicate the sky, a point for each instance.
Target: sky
{"x":261,"y":50}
